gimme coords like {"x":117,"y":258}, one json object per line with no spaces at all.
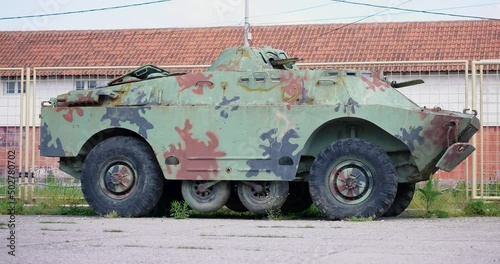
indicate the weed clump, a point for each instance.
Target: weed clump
{"x":179,"y":210}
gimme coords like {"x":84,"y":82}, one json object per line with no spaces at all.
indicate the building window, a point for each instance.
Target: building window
{"x":92,"y":84}
{"x":84,"y":85}
{"x":80,"y":85}
{"x":12,"y":87}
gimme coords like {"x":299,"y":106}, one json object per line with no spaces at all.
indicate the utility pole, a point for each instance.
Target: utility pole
{"x":247,"y":24}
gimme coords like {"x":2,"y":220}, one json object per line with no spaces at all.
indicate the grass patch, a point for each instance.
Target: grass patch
{"x":112,"y":214}
{"x":311,"y":213}
{"x":113,"y":230}
{"x":56,"y":199}
{"x":475,"y":208}
{"x":452,"y":203}
{"x":274,"y":214}
{"x":358,"y":219}
{"x":225,"y":213}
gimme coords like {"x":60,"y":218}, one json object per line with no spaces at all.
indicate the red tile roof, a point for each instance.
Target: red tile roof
{"x":449,"y":40}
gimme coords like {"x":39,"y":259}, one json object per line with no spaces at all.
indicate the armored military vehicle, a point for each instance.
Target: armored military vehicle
{"x":253,"y":132}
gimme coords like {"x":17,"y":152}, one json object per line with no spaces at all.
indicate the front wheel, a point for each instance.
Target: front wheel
{"x":403,"y":199}
{"x":352,"y":178}
{"x":121,"y":174}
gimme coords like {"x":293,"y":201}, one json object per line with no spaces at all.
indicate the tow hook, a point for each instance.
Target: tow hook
{"x":452,"y":124}
{"x":466,"y":110}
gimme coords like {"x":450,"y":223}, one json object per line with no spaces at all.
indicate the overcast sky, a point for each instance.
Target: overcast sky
{"x":202,"y":13}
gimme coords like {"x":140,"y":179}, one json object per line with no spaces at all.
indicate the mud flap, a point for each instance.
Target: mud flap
{"x":455,"y":154}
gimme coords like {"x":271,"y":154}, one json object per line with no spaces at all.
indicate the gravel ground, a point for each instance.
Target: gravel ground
{"x":66,"y":239}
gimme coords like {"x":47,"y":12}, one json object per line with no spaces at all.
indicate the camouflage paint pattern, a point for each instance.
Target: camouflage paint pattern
{"x":244,"y":119}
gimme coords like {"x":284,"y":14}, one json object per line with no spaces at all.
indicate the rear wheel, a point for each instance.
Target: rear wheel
{"x":205,"y":196}
{"x":352,"y":178}
{"x":121,"y":174}
{"x":403,"y":199}
{"x":298,"y":199}
{"x":262,"y":197}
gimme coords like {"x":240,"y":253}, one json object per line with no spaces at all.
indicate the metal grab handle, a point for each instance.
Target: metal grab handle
{"x":208,"y":82}
{"x":261,"y":72}
{"x":326,"y":81}
{"x":111,"y":94}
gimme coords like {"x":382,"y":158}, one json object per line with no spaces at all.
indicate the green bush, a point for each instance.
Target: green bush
{"x":475,"y":208}
{"x":430,"y":192}
{"x":437,"y":214}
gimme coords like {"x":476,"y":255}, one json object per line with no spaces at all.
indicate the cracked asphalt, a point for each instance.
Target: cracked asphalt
{"x":68,"y":239}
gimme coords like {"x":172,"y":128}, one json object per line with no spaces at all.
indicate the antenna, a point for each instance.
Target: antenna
{"x":247,"y":24}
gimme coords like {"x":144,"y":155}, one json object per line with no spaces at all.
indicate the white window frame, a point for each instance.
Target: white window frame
{"x":85,"y":84}
{"x":9,"y":90}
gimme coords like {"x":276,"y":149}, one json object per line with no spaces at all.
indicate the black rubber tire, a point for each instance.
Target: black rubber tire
{"x":354,"y":158}
{"x":298,"y":199}
{"x":234,"y":203}
{"x":403,"y":199}
{"x":121,"y":157}
{"x":206,"y":201}
{"x":171,"y":192}
{"x":272,"y":198}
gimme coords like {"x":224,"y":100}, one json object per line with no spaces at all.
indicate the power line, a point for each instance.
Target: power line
{"x":416,"y":10}
{"x":84,"y":11}
{"x":354,"y":17}
{"x":293,"y":11}
{"x":359,"y":20}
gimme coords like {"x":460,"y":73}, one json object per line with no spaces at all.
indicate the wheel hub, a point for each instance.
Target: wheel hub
{"x":202,"y":189}
{"x":119,"y":179}
{"x":350,"y":182}
{"x":261,"y":191}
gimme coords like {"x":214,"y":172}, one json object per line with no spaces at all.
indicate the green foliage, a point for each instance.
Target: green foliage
{"x":358,"y":219}
{"x":52,"y":199}
{"x":51,"y":179}
{"x":223,"y":213}
{"x":452,"y":203}
{"x":437,"y":214}
{"x":5,"y":208}
{"x":274,"y":214}
{"x":112,"y":214}
{"x":179,"y":210}
{"x":430,"y":193}
{"x":475,"y":208}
